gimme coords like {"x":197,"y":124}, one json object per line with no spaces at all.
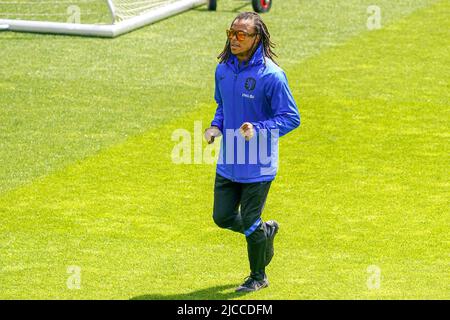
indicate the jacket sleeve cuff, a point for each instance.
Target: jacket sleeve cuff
{"x":217,"y":124}
{"x":256,"y":126}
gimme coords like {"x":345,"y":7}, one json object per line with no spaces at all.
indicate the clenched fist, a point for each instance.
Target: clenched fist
{"x":247,"y":130}
{"x":211,"y":133}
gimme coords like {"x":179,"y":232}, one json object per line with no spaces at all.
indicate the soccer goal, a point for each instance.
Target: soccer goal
{"x":102,"y":18}
{"x":260,"y":6}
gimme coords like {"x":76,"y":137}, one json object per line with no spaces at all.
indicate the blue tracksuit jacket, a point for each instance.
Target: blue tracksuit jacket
{"x":257,"y":92}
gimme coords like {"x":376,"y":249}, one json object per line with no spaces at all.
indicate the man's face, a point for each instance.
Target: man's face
{"x":242,"y":48}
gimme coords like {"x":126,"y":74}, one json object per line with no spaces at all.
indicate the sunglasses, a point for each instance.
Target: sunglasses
{"x":240,"y":35}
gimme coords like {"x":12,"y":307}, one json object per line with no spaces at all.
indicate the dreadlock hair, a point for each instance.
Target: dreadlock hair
{"x":261,"y":30}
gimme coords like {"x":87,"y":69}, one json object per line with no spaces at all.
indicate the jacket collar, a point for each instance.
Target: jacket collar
{"x":256,"y":59}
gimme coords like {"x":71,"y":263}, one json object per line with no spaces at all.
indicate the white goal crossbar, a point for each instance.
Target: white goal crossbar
{"x":99,"y":30}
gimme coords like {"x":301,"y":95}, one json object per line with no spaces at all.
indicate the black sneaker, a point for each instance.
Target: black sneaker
{"x":251,"y":285}
{"x":272,"y":227}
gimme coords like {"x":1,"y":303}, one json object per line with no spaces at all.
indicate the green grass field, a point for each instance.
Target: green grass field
{"x":87,"y":180}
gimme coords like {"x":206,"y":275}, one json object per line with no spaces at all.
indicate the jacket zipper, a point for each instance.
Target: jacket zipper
{"x":234,"y":106}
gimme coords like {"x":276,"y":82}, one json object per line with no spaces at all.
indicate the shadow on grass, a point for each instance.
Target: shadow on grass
{"x":214,"y":293}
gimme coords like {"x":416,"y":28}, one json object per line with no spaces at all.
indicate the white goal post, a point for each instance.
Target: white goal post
{"x":126,"y":15}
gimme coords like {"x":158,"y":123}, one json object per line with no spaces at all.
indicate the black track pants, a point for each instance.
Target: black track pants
{"x":238,"y":207}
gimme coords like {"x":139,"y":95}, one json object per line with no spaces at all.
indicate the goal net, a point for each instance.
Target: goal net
{"x":106,"y":18}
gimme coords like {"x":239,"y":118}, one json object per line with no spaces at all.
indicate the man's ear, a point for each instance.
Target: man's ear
{"x":256,"y":43}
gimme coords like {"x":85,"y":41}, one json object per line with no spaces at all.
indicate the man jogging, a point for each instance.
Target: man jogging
{"x":254,"y":107}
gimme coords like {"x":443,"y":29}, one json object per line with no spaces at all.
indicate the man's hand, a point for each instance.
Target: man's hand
{"x":247,"y":131}
{"x":211,"y":133}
